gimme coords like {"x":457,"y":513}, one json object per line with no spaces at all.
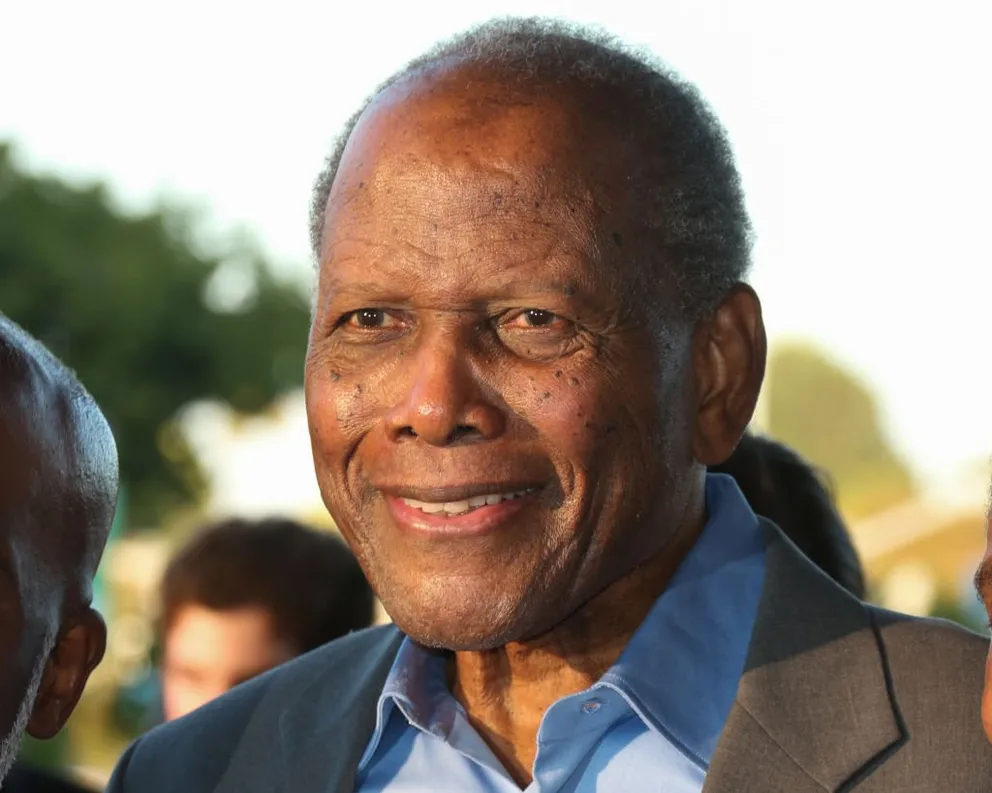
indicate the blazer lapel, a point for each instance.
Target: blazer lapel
{"x":814,"y":709}
{"x":325,"y":720}
{"x":325,"y":736}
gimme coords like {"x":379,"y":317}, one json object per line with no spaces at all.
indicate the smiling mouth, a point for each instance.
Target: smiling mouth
{"x":465,"y":506}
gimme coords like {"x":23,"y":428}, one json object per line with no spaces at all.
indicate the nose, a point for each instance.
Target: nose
{"x":442,"y":401}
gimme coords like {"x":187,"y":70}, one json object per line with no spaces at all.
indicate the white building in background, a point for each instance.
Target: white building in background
{"x":259,"y":465}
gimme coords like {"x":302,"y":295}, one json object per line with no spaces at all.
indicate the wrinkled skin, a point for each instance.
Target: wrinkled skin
{"x":479,"y":321}
{"x":56,"y":503}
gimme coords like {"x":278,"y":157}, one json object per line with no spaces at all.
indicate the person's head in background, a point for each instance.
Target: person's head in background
{"x":245,"y":596}
{"x":783,"y":487}
{"x":58,"y":492}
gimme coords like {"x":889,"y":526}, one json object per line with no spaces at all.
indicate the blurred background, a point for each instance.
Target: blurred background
{"x":155,"y":171}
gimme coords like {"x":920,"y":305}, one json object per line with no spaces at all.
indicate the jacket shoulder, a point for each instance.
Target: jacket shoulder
{"x":936,"y":672}
{"x":925,"y":646}
{"x":192,"y":753}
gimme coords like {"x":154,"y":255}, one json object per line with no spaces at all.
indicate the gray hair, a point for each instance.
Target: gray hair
{"x":689,"y":193}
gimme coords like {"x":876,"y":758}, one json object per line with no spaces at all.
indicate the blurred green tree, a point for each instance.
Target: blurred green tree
{"x":831,"y":418}
{"x":149,"y":322}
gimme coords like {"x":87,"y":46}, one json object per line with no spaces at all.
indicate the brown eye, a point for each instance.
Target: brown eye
{"x":369,"y":318}
{"x":536,"y":318}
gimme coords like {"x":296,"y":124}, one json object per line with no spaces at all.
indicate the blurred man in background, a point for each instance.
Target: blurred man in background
{"x":781,"y":486}
{"x":58,"y":491}
{"x":243,"y":597}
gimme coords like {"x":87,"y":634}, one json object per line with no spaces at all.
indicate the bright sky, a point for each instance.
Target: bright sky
{"x":862,"y":130}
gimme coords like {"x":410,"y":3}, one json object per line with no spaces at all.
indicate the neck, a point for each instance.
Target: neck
{"x":507,"y":690}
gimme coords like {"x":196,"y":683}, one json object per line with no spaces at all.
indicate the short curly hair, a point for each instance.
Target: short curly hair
{"x":688,"y":190}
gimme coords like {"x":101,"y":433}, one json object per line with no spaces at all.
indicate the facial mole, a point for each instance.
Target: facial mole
{"x":358,"y":388}
{"x":546,"y":395}
{"x":573,"y":381}
{"x":558,"y":373}
{"x":335,"y":376}
{"x":618,"y":239}
{"x":361,"y":185}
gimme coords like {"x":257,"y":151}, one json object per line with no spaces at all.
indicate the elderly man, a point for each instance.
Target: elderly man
{"x":58,"y":489}
{"x":530,"y":339}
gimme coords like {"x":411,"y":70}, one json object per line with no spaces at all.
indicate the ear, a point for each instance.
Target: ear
{"x":729,"y":350}
{"x":80,"y":647}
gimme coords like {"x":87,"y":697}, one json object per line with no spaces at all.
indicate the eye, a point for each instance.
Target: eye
{"x":535,"y":318}
{"x":368,"y":318}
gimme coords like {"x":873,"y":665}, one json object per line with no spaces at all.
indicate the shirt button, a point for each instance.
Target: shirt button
{"x":591,"y":706}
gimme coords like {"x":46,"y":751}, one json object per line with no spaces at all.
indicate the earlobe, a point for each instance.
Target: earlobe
{"x":729,"y":351}
{"x":78,"y":651}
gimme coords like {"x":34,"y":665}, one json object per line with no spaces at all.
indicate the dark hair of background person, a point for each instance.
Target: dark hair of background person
{"x":687,"y":189}
{"x":308,"y":580}
{"x":781,"y":486}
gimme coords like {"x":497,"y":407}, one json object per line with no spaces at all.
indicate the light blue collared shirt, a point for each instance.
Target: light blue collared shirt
{"x":651,"y":722}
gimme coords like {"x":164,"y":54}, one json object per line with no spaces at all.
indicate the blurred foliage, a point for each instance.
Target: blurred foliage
{"x":147,"y":321}
{"x":51,"y":753}
{"x":831,"y":418}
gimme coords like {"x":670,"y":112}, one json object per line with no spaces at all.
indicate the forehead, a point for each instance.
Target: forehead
{"x":199,"y":632}
{"x":454,"y":170}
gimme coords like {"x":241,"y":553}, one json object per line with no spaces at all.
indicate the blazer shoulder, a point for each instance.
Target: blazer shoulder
{"x":192,"y":753}
{"x":936,"y":670}
{"x":935,"y":641}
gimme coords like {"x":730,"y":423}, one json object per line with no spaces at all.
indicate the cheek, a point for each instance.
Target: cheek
{"x":338,"y":410}
{"x":580,"y":416}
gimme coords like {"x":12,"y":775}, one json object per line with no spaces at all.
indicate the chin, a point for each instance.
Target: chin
{"x":471,"y":625}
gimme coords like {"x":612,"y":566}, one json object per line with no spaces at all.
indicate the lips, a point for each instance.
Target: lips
{"x":465,"y":510}
{"x":463,"y":506}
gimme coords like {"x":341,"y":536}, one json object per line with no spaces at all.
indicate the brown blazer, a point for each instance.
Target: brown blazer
{"x":836,"y":696}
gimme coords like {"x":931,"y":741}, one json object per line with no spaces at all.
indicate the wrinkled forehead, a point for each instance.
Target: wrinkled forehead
{"x":449,"y":176}
{"x":480,"y":144}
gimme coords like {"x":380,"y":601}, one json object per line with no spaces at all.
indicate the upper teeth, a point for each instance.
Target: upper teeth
{"x":460,"y":507}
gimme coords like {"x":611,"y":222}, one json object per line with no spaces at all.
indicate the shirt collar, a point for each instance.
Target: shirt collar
{"x":416,"y":686}
{"x":681,"y":668}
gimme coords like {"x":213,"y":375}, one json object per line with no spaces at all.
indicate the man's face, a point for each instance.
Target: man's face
{"x":983,"y":583}
{"x":498,"y":420}
{"x":50,"y":639}
{"x":208,"y":652}
{"x":29,"y":617}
